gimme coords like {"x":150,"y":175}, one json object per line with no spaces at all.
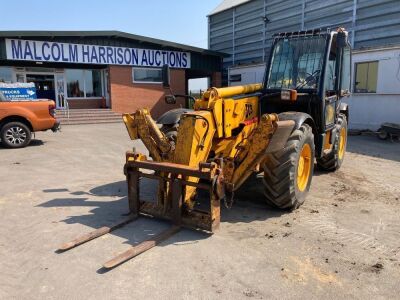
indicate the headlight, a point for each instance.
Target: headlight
{"x":330,"y":113}
{"x":289,"y":95}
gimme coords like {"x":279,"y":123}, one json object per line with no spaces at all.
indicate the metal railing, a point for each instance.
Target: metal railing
{"x":67,"y":108}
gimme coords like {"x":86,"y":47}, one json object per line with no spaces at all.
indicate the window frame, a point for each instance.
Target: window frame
{"x":84,"y":85}
{"x":355,"y":75}
{"x":145,"y":82}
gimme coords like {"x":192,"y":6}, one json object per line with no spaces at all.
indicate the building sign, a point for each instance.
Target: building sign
{"x":18,"y":91}
{"x":92,"y":54}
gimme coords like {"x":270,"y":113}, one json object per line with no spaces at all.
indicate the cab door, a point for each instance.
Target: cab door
{"x":336,"y":81}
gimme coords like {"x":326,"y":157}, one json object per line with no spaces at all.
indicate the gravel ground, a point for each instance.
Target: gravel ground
{"x":343,"y":242}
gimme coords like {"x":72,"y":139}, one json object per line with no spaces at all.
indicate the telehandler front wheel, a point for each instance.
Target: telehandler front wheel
{"x":334,"y":159}
{"x":288,"y":172}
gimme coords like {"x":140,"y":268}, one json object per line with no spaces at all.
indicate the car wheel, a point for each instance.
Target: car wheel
{"x":15,"y":135}
{"x":382,"y":134}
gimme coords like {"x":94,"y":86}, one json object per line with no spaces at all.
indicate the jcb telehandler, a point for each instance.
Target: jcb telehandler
{"x":279,"y":127}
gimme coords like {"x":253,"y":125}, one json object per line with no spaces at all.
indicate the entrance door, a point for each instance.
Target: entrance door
{"x":61,"y":103}
{"x":45,"y":87}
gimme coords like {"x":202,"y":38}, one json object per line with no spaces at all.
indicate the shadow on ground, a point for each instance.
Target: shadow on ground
{"x":109,"y":204}
{"x":372,"y":146}
{"x":33,"y":143}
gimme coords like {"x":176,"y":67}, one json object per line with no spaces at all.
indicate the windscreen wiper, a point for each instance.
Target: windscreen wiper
{"x":307,"y":80}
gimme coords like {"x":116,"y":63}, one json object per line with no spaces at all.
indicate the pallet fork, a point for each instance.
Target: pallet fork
{"x":176,"y":176}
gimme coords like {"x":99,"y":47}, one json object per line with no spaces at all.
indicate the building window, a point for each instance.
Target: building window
{"x":146,"y":75}
{"x":93,"y":83}
{"x":75,"y":83}
{"x":235,"y":77}
{"x":366,"y":77}
{"x":20,"y":77}
{"x":83,"y":83}
{"x":5,"y":74}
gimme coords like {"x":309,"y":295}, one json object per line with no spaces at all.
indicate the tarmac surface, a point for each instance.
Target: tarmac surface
{"x":344,"y":242}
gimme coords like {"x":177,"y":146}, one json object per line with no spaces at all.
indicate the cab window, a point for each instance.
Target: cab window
{"x":346,"y":70}
{"x":330,"y":77}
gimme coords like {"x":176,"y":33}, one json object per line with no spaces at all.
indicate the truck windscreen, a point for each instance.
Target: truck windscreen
{"x":297,"y":62}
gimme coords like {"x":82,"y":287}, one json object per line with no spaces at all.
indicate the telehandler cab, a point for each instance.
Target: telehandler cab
{"x":279,"y":127}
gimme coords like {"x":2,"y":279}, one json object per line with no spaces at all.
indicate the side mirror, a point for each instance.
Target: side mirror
{"x":170,"y":99}
{"x":165,"y":76}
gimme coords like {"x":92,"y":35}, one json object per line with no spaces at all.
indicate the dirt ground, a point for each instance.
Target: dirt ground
{"x":344,"y":242}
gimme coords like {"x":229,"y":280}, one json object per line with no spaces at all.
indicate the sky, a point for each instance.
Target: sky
{"x":181,"y":21}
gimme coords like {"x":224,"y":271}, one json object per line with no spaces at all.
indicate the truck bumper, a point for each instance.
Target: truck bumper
{"x":56,"y":126}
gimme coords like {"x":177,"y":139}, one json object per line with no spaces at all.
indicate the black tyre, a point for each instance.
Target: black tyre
{"x":288,"y":172}
{"x":171,"y":132}
{"x":334,"y":159}
{"x":382,"y":134}
{"x":15,"y":135}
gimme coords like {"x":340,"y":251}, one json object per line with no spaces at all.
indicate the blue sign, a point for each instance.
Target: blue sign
{"x":18,"y":91}
{"x":93,"y":54}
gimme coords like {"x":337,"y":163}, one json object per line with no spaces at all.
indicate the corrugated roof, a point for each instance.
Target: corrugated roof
{"x":227,"y":4}
{"x":110,"y":33}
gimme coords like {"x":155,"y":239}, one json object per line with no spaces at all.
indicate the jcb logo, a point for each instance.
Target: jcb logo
{"x":249,"y":110}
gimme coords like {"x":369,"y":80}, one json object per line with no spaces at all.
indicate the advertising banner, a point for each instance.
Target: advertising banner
{"x":18,"y":91}
{"x":46,"y":51}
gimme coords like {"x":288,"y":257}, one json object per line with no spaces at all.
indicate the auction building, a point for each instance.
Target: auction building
{"x":103,"y":69}
{"x":245,"y":28}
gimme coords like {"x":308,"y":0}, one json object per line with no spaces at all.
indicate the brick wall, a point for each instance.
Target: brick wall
{"x":127,"y":96}
{"x":84,"y":103}
{"x":216,"y":79}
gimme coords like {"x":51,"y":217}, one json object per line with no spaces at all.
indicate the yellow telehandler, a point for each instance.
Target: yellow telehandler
{"x":279,"y":127}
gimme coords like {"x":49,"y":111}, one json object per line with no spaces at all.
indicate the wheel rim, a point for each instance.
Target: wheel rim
{"x":15,"y":135}
{"x":342,"y":142}
{"x":382,"y":134}
{"x":304,"y":167}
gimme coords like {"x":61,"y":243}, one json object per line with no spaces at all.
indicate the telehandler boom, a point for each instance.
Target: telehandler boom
{"x":278,"y":127}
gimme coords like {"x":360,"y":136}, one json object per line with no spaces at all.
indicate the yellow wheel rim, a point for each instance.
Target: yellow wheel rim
{"x":342,"y":142}
{"x":304,"y":167}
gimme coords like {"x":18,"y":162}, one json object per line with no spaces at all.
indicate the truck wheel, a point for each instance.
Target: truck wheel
{"x":288,"y":172}
{"x":15,"y":135}
{"x":334,"y":159}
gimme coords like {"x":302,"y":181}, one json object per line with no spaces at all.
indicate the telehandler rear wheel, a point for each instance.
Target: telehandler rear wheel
{"x":288,"y":172}
{"x":334,"y":159}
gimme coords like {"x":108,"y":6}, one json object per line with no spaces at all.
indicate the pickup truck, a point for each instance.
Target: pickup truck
{"x":18,"y":119}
